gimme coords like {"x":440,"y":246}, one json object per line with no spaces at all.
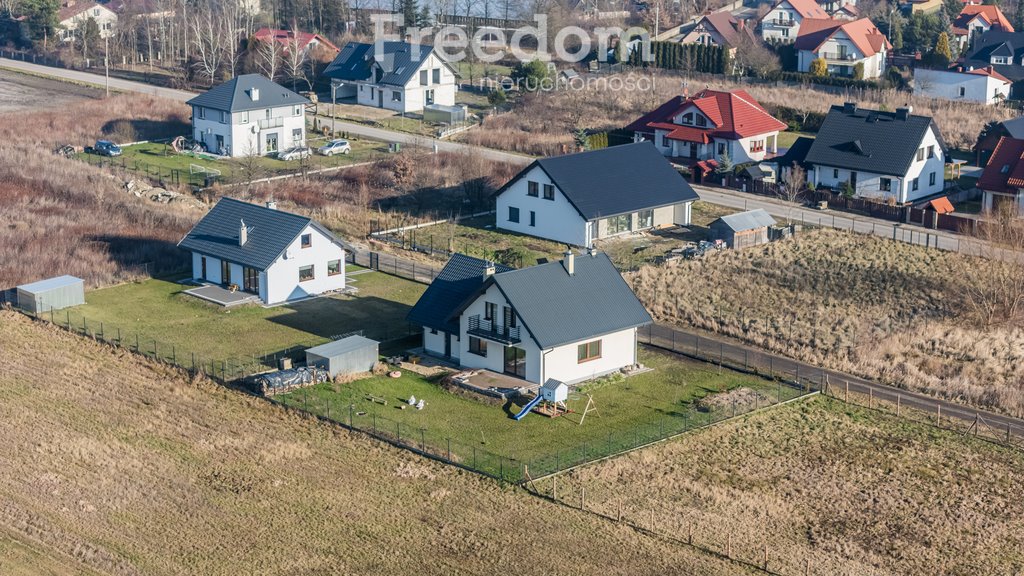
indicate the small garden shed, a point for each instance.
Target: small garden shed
{"x":441,"y":114}
{"x":346,"y":356}
{"x":51,"y":294}
{"x":743,"y":229}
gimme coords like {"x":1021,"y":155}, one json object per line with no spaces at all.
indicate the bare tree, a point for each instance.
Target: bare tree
{"x":754,"y":56}
{"x":207,"y":29}
{"x":8,"y":7}
{"x":793,"y":186}
{"x":234,"y":17}
{"x":295,"y":57}
{"x":994,"y":292}
{"x":269,"y":58}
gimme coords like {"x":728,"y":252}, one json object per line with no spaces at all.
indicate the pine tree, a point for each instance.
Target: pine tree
{"x":410,"y":14}
{"x":942,"y":52}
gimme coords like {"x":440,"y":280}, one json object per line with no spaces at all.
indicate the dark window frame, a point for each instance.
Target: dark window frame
{"x":478,"y":346}
{"x":306,"y":241}
{"x":312,"y":273}
{"x":340,"y":270}
{"x":588,"y":351}
{"x":549,"y":191}
{"x":532,"y":188}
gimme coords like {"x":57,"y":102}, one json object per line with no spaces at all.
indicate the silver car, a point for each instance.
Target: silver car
{"x":335,"y":147}
{"x":296,"y":153}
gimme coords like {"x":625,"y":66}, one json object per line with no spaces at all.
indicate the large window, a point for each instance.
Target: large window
{"x":513,"y":214}
{"x":532,"y":189}
{"x":396,"y":96}
{"x":885,"y":184}
{"x":549,"y":191}
{"x":333,"y":267}
{"x":588,"y":351}
{"x":490,"y":311}
{"x":645,"y":219}
{"x":306,"y":273}
{"x":617,"y":224}
{"x":477,"y":346}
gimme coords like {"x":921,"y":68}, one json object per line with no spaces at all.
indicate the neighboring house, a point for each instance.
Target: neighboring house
{"x":842,"y":44}
{"x":831,"y":6}
{"x":307,"y":43}
{"x":719,"y":29}
{"x":988,"y":140}
{"x":578,"y":198}
{"x":1002,"y":180}
{"x":912,"y":7}
{"x":76,"y":13}
{"x":1004,"y":51}
{"x":782,"y":22}
{"x":248,"y":116}
{"x":149,"y":9}
{"x":276,"y":255}
{"x":710,"y":125}
{"x":846,"y":12}
{"x":983,"y":85}
{"x":742,"y":229}
{"x":400,"y":76}
{"x":977,"y":19}
{"x":566,"y":321}
{"x":892,"y":156}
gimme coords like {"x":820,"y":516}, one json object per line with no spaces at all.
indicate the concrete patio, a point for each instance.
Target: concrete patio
{"x":222,"y":296}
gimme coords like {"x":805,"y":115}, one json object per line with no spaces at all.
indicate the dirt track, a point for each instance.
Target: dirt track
{"x":21,"y":91}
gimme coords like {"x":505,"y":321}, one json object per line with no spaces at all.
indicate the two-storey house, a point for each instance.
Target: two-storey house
{"x":782,"y":22}
{"x":398,"y":76}
{"x":843,"y":44}
{"x":248,"y":116}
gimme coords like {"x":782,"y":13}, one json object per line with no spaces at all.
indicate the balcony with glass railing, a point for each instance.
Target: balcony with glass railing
{"x":484,"y":328}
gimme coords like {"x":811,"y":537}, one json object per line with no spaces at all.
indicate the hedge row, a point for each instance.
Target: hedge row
{"x":687,"y":57}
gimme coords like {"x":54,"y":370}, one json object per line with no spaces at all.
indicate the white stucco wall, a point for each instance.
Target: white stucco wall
{"x":773,"y":32}
{"x":873,"y":65}
{"x":413,"y":95}
{"x":556,"y":219}
{"x":246,"y":133}
{"x":495,"y":359}
{"x":947,"y":84}
{"x":283,"y":275}
{"x":105,"y":18}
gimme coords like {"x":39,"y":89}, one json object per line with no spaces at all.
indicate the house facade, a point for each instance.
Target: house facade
{"x":579,"y":198}
{"x":843,"y":44}
{"x":1002,"y":180}
{"x":398,"y":76}
{"x":248,"y":116}
{"x":782,"y":22}
{"x":535,"y":323}
{"x":718,"y":29}
{"x":977,"y":19}
{"x":308,"y":44}
{"x":983,"y":85}
{"x":896,"y":156}
{"x":1003,"y":51}
{"x":278,"y":256}
{"x":76,"y":13}
{"x":711,"y":125}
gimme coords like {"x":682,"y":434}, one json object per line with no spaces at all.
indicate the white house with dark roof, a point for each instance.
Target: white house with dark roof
{"x":897,"y":156}
{"x":398,"y":76}
{"x":536,"y":323}
{"x":248,"y":116}
{"x":578,"y":198}
{"x":276,"y":255}
{"x":74,"y":14}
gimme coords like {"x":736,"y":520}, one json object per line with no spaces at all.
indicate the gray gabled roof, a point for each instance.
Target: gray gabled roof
{"x":749,"y":220}
{"x":460,"y":279}
{"x":235,"y":95}
{"x":398,"y":62}
{"x":341,"y":347}
{"x":557,"y":308}
{"x":51,"y":284}
{"x":270,"y":232}
{"x":870,"y":140}
{"x":615,"y":180}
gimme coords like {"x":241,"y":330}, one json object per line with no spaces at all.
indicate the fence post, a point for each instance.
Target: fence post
{"x":329,"y":416}
{"x":449,"y":449}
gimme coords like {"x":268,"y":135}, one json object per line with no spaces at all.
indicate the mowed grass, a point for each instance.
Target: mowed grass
{"x":478,"y":237}
{"x":158,"y":159}
{"x":630,"y":411}
{"x":127,"y":468}
{"x":852,"y":490}
{"x":20,"y":556}
{"x":158,"y":309}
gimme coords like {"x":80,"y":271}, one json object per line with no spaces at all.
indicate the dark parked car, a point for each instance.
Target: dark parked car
{"x":106,"y":148}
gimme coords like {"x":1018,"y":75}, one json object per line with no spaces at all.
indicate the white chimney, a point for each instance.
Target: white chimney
{"x":243,"y":234}
{"x":592,"y":251}
{"x":254,"y":94}
{"x":569,"y":262}
{"x":271,"y":204}
{"x":489,"y":269}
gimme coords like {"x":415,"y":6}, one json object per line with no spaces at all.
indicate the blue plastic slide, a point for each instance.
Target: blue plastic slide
{"x":529,"y":406}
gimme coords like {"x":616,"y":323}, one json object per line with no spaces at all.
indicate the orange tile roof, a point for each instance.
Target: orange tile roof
{"x":1005,"y":169}
{"x":941,"y":205}
{"x":990,"y":71}
{"x":863,"y":33}
{"x":991,"y":13}
{"x":806,"y":8}
{"x":735,"y":114}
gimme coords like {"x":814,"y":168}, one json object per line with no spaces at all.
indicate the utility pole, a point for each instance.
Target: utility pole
{"x":106,"y":63}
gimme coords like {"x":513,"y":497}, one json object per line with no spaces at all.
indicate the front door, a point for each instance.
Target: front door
{"x":220,"y":144}
{"x":271,"y":143}
{"x":202,"y":266}
{"x":853,"y":180}
{"x":251,"y":280}
{"x":447,"y":345}
{"x":515,"y":362}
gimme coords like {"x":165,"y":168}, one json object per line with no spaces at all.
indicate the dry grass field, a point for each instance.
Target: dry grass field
{"x":854,"y":491}
{"x":542,"y":124}
{"x":59,"y":216}
{"x":865,"y":305}
{"x":129,"y":469}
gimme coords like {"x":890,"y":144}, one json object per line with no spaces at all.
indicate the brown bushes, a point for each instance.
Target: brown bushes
{"x":872,"y":307}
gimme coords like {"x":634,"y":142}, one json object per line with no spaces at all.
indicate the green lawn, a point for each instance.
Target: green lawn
{"x":478,"y":237}
{"x":787,"y":138}
{"x":630,"y":410}
{"x":158,"y":310}
{"x":159,"y":161}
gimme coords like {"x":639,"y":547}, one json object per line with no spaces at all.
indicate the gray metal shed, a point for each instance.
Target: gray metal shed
{"x":743,"y":229}
{"x":346,"y":356}
{"x":51,"y":294}
{"x":441,"y":114}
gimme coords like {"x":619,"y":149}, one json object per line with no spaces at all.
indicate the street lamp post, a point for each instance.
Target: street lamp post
{"x":106,"y":64}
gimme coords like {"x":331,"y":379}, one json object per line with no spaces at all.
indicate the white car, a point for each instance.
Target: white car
{"x":296,"y":153}
{"x":335,"y":147}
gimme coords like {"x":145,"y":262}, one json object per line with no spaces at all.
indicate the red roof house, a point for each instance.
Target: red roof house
{"x":1002,"y":180}
{"x":305,"y":41}
{"x":977,"y":19}
{"x":710,"y":125}
{"x":842,"y":44}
